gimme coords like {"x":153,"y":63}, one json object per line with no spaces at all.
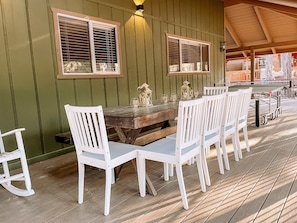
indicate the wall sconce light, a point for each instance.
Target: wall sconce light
{"x":140,"y":8}
{"x":222,"y":46}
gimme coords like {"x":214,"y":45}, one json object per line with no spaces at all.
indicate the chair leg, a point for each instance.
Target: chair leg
{"x":245,"y":133}
{"x":234,"y":142}
{"x":191,"y":161}
{"x":205,"y":167}
{"x":225,"y":154}
{"x":200,"y":173}
{"x":220,"y":160}
{"x":238,"y":145}
{"x":166,"y":171}
{"x":141,"y":175}
{"x":26,"y":172}
{"x":171,"y":172}
{"x":6,"y":172}
{"x":81,"y":178}
{"x":108,"y":179}
{"x":181,"y":184}
{"x":113,"y":176}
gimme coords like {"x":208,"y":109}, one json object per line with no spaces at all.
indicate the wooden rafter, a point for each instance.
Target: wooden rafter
{"x":264,"y":46}
{"x":263,"y":24}
{"x":276,"y":7}
{"x":265,"y":38}
{"x":232,"y":32}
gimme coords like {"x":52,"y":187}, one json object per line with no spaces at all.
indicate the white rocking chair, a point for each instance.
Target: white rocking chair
{"x":6,"y":178}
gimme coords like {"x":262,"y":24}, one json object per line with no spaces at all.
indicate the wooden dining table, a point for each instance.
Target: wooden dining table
{"x":129,"y":121}
{"x":142,"y":125}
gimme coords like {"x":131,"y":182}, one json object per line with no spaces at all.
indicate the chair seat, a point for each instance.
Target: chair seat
{"x":212,"y":136}
{"x":171,"y":136}
{"x":165,"y":146}
{"x":227,"y":128}
{"x":119,"y":154}
{"x":116,"y":150}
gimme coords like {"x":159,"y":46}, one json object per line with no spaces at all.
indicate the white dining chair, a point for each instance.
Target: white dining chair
{"x":178,"y":151}
{"x":17,"y":153}
{"x":229,"y":122}
{"x":211,"y":134}
{"x":215,"y":90}
{"x":242,"y":123}
{"x":207,"y":91}
{"x":92,"y":147}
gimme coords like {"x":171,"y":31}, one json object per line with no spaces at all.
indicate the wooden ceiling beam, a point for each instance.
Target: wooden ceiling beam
{"x":263,"y":25}
{"x":276,"y":7}
{"x":292,"y":16}
{"x":240,"y":55}
{"x":232,"y":32}
{"x":270,"y":47}
{"x":228,"y":3}
{"x":264,"y":46}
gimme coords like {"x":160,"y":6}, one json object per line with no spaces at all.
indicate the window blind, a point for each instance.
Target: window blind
{"x":75,"y":46}
{"x":105,"y":46}
{"x":186,"y":55}
{"x":88,"y":46}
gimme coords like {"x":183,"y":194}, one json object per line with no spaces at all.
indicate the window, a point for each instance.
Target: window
{"x":187,"y":55}
{"x":87,"y":47}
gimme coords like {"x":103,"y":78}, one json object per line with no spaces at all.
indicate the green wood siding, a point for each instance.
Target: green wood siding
{"x":31,"y":96}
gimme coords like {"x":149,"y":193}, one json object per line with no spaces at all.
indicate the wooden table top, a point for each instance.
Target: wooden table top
{"x":135,"y":118}
{"x":259,"y":88}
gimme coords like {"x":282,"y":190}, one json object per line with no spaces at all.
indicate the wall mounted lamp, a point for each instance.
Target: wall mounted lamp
{"x":222,"y":46}
{"x":140,"y":8}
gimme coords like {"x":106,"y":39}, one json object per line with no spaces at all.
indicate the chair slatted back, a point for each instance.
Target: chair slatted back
{"x":189,"y":124}
{"x":88,"y":129}
{"x":245,"y":99}
{"x":231,"y":110}
{"x":215,"y":90}
{"x":214,"y":108}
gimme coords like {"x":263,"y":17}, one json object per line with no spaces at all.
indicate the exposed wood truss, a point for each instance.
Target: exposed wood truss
{"x":266,"y":27}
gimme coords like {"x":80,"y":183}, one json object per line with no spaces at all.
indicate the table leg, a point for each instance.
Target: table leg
{"x":149,"y":185}
{"x":278,"y":101}
{"x":257,"y":110}
{"x":130,"y":138}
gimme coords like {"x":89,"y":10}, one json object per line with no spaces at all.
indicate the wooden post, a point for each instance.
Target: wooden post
{"x":252,"y":65}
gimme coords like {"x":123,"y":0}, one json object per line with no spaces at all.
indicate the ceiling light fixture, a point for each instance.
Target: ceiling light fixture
{"x":140,"y":8}
{"x":222,"y":46}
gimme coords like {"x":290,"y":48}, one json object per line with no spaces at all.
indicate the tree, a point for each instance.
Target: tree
{"x":286,"y":65}
{"x":268,"y":68}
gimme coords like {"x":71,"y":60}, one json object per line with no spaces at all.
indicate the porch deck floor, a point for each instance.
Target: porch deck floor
{"x":262,"y":187}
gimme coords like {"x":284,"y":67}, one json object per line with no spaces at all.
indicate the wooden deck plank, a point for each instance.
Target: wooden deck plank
{"x":271,"y":209}
{"x":262,"y":187}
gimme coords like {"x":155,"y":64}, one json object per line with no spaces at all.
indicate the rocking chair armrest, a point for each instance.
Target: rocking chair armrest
{"x":12,"y":132}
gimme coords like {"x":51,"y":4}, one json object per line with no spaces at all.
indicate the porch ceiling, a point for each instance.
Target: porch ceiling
{"x":265,"y":26}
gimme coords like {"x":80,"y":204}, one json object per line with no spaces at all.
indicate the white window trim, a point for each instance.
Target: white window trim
{"x":115,"y":72}
{"x":177,"y":70}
